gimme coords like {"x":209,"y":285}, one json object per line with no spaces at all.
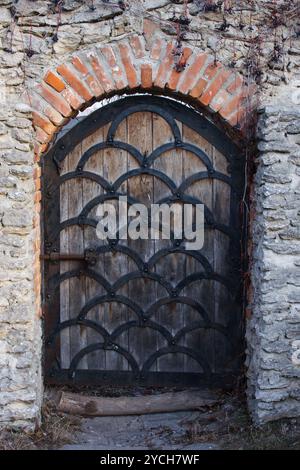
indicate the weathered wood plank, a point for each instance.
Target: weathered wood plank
{"x":223,"y":301}
{"x":64,"y":266}
{"x":76,"y":245}
{"x":202,"y":291}
{"x":142,"y":341}
{"x":171,"y":267}
{"x":96,"y":360}
{"x":124,"y":406}
{"x":115,"y":264}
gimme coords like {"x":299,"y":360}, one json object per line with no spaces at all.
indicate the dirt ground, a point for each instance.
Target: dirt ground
{"x":225,"y":425}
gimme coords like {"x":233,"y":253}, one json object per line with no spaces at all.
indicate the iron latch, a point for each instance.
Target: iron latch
{"x":89,"y":256}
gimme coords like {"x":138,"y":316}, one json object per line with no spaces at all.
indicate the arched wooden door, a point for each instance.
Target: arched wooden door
{"x":145,"y":311}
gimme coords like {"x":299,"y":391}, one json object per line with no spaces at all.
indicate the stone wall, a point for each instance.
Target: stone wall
{"x":274,"y":326}
{"x":36,"y":38}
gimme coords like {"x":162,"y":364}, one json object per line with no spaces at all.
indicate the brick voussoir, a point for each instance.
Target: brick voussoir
{"x":157,"y":50}
{"x":85,"y":70}
{"x":79,"y":64}
{"x":215,"y":85}
{"x":127,"y":60}
{"x":102,"y":73}
{"x":37,"y":103}
{"x":41,"y":136}
{"x":236,"y":102}
{"x":115,"y":65}
{"x":54,"y":116}
{"x":54,"y":99}
{"x":137,"y":44}
{"x":40,"y":120}
{"x":219,"y":100}
{"x":54,"y":81}
{"x":74,"y":100}
{"x":146,"y":76}
{"x":176,"y":75}
{"x":71,"y":77}
{"x":165,"y":67}
{"x":192,"y":73}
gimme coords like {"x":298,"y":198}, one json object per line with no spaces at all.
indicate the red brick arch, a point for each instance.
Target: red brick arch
{"x":127,"y":65}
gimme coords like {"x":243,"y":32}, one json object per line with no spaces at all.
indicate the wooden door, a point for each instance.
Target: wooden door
{"x":145,"y":312}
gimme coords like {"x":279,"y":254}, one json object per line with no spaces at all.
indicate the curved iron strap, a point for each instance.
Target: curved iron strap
{"x":144,"y":324}
{"x":81,"y":221}
{"x":180,"y":300}
{"x":87,"y":175}
{"x":134,"y":152}
{"x":145,"y":171}
{"x":209,"y":218}
{"x":203,"y":276}
{"x":178,"y":196}
{"x":75,"y":322}
{"x":167,"y":251}
{"x":55,"y":281}
{"x":144,"y":108}
{"x":145,"y":274}
{"x":172,"y":340}
{"x":104,"y":347}
{"x":112,"y":188}
{"x":176,"y":110}
{"x":105,"y":197}
{"x":210,"y":222}
{"x":201,"y":325}
{"x":114,"y":246}
{"x":203,"y":175}
{"x":103,"y":299}
{"x":177,"y":349}
{"x":142,"y":275}
{"x":203,"y":157}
